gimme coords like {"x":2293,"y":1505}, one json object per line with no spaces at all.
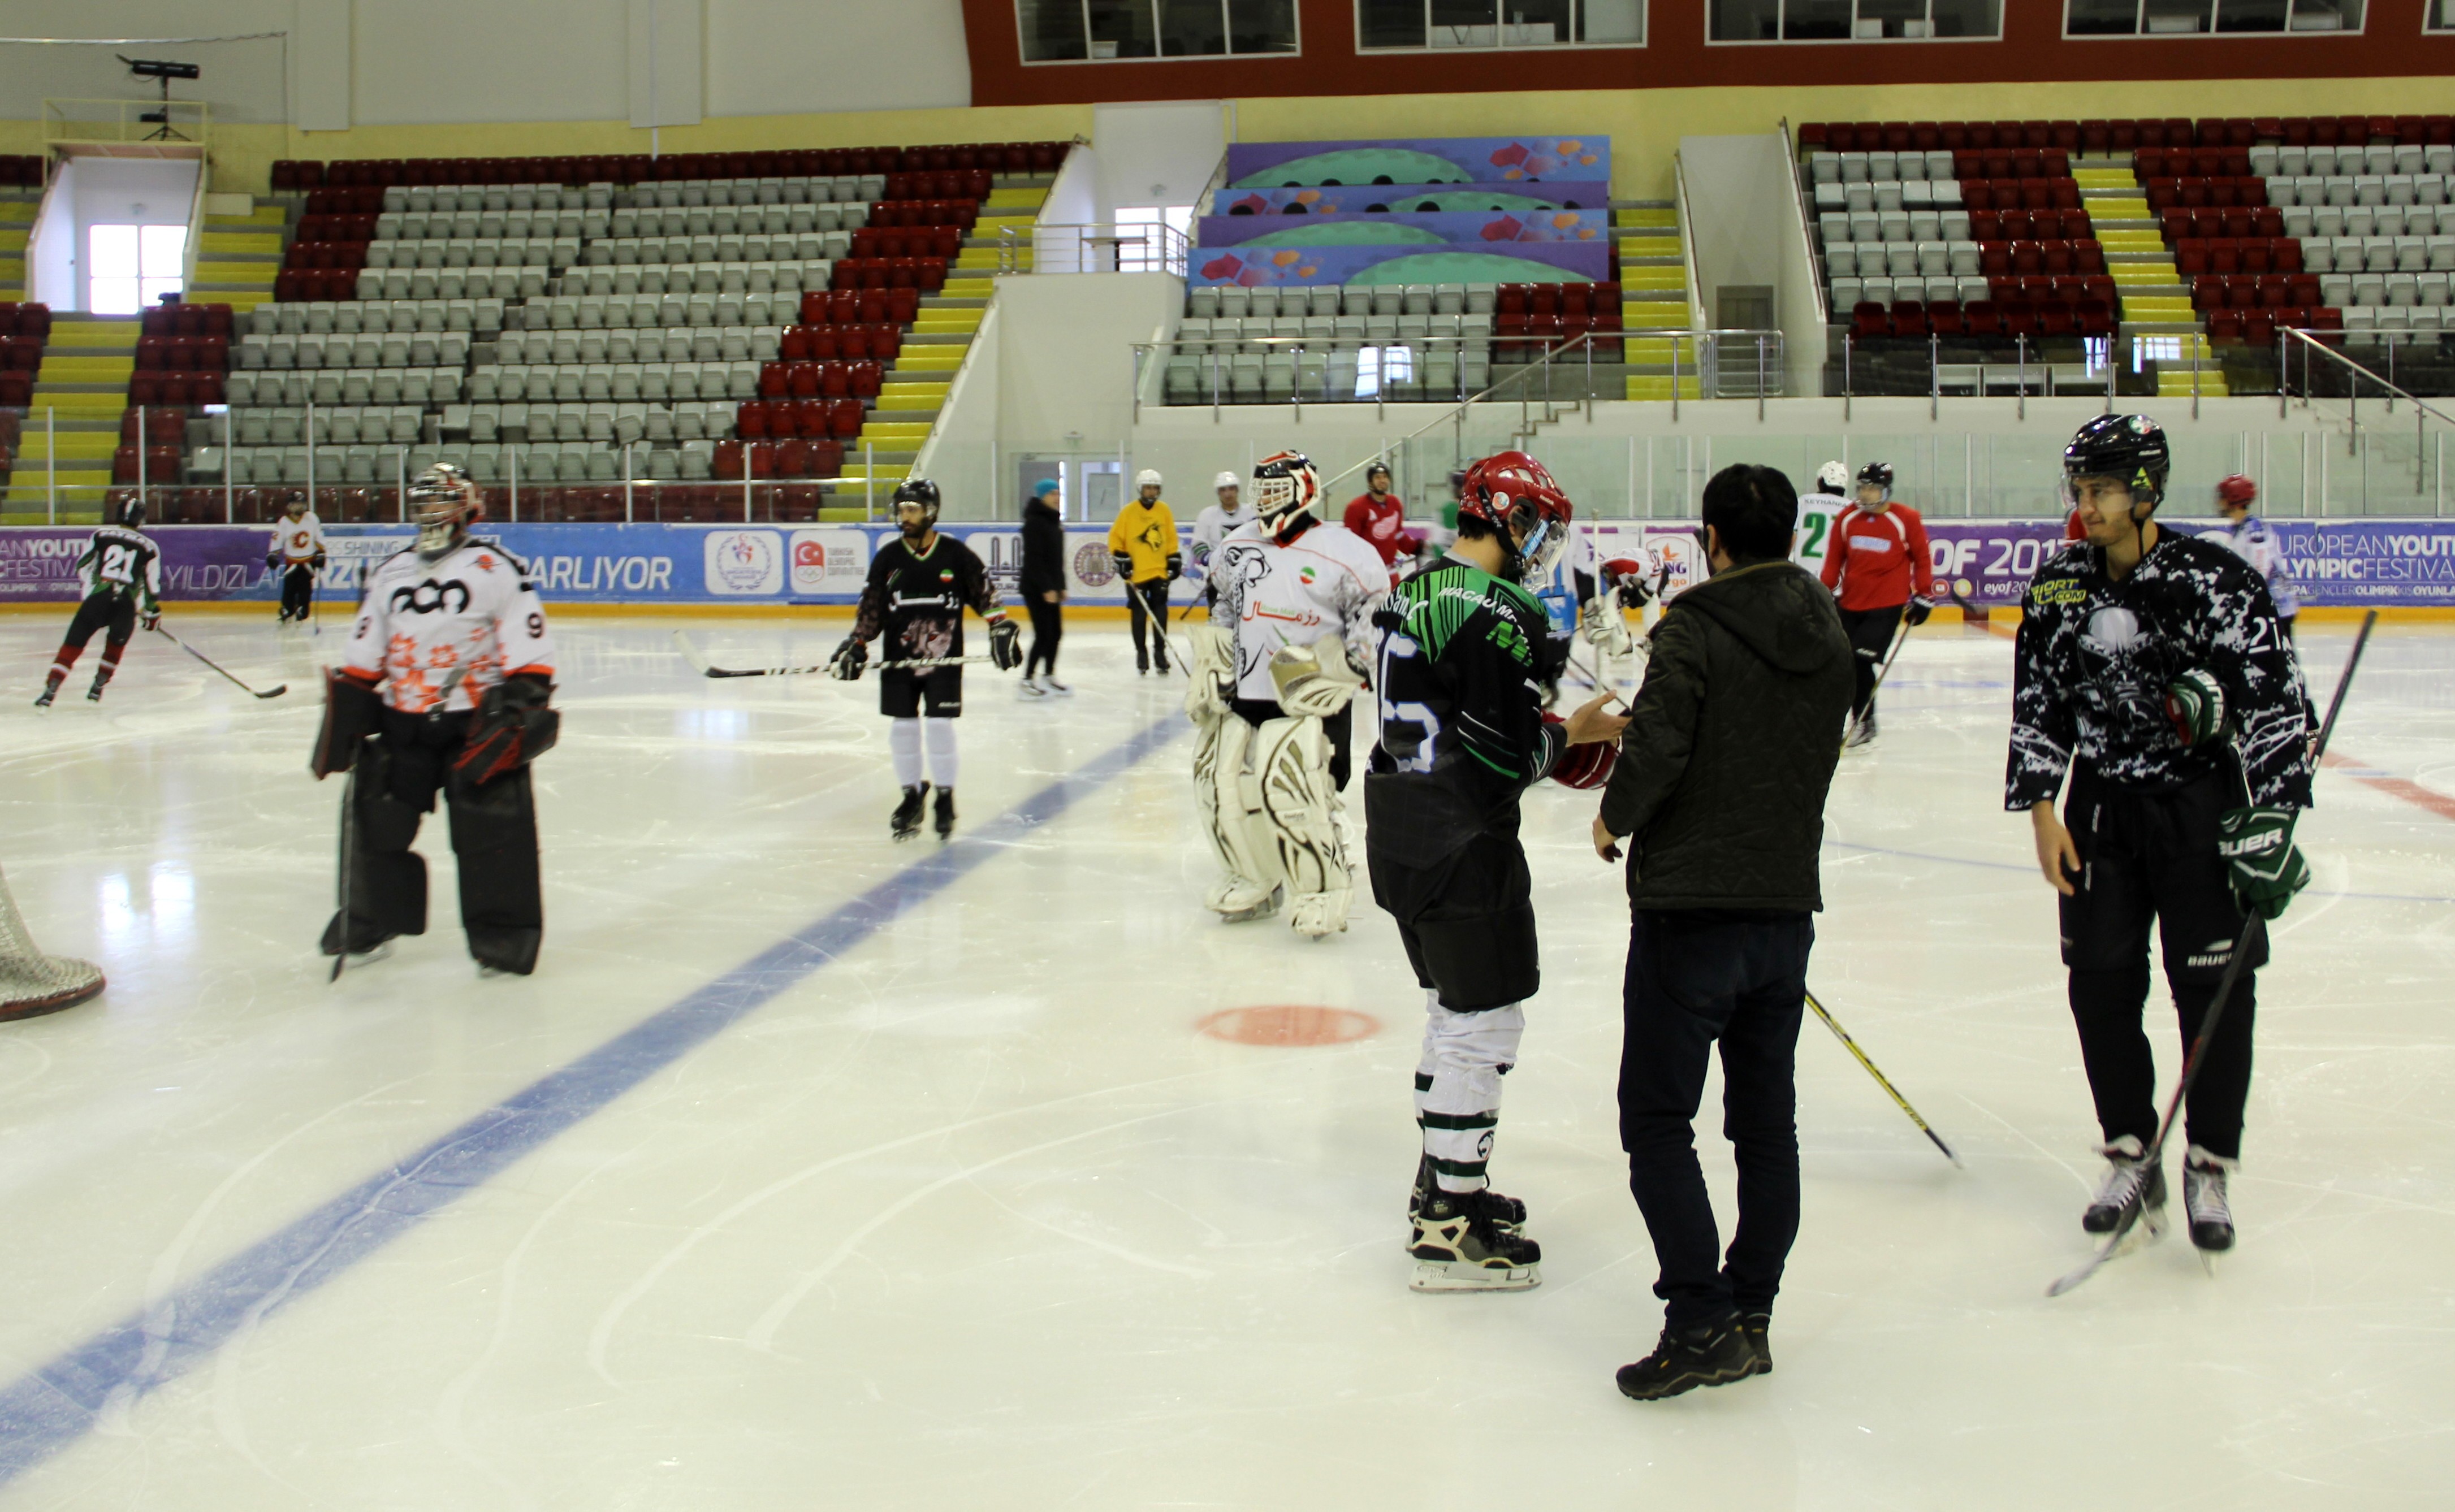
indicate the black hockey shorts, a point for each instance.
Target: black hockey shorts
{"x":2152,"y":856}
{"x":113,"y":614}
{"x":298,"y":590}
{"x":398,"y":777}
{"x":1467,"y":919}
{"x":938,"y":692}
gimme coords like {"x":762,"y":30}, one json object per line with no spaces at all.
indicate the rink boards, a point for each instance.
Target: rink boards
{"x":2336,"y":563}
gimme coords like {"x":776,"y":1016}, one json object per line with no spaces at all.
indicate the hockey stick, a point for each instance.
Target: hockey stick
{"x":1899,"y":639}
{"x":706,"y":669}
{"x":2197,"y":1060}
{"x":274,"y":692}
{"x":349,"y":833}
{"x":1882,"y":1080}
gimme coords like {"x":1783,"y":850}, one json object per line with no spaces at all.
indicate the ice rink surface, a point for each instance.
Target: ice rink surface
{"x":948,"y":1199}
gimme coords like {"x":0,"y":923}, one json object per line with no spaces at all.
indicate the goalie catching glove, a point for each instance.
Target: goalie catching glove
{"x":2195,"y":703}
{"x":1005,"y":643}
{"x":2261,"y":861}
{"x":850,"y":657}
{"x":513,"y":727}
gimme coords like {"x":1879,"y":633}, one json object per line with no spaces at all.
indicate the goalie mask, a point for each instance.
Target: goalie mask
{"x":444,"y":503}
{"x":1518,"y":498}
{"x":1286,"y":488}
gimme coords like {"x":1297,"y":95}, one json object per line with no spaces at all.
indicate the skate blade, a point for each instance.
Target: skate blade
{"x":2149,"y":1230}
{"x":1247,"y":916}
{"x":1464,"y":1276}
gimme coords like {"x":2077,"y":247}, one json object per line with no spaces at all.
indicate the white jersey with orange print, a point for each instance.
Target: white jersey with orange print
{"x":1316,"y":589}
{"x":474,"y":608}
{"x":299,"y":541}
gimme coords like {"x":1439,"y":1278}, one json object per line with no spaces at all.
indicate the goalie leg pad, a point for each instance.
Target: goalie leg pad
{"x":387,"y":883}
{"x":1300,"y":807}
{"x":1221,"y":787}
{"x":493,"y":835}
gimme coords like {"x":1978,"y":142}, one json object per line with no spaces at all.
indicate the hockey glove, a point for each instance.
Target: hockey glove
{"x":512,"y":728}
{"x":273,"y":561}
{"x":850,"y":657}
{"x":2195,"y":703}
{"x":1125,"y":566}
{"x":152,"y":620}
{"x":1917,"y":612}
{"x":351,"y":712}
{"x":1175,"y":566}
{"x":2263,"y":864}
{"x":1584,"y":766}
{"x":1005,"y":648}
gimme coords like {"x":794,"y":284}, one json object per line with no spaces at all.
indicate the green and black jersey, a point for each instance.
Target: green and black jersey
{"x":1460,"y":704}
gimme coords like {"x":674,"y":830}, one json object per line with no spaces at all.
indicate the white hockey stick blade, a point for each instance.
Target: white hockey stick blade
{"x":690,"y":653}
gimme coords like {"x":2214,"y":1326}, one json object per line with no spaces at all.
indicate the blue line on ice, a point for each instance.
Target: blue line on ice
{"x":58,"y":1404}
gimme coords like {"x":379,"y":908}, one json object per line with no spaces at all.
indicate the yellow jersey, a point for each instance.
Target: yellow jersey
{"x":1146,"y":535}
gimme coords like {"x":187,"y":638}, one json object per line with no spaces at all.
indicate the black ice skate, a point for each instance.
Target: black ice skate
{"x":2127,"y":1180}
{"x":1863,"y":732}
{"x":101,"y":680}
{"x":1516,"y":1214}
{"x":1470,"y":1241}
{"x":2204,"y":1200}
{"x":946,"y":814}
{"x":906,"y":822}
{"x":43,"y":700}
{"x":1710,"y":1355}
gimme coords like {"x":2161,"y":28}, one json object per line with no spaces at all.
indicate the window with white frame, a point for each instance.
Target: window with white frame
{"x":1852,"y":20}
{"x":1121,"y":30}
{"x":2440,"y":16}
{"x":2165,"y":18}
{"x":1152,"y":256}
{"x":129,"y":267}
{"x":1479,"y":24}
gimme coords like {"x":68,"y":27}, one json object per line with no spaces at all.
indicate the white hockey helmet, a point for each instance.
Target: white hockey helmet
{"x":1226,"y":480}
{"x":1147,"y":477}
{"x":1832,"y":478}
{"x":1285,"y":485}
{"x":444,"y":502}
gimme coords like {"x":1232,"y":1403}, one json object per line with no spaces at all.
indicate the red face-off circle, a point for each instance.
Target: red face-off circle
{"x":1288,"y":1024}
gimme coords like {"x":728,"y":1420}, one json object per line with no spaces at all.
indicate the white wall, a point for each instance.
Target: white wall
{"x":784,"y":57}
{"x":1735,"y":197}
{"x":1065,"y":358}
{"x":1159,"y":154}
{"x":427,"y":62}
{"x":50,"y":253}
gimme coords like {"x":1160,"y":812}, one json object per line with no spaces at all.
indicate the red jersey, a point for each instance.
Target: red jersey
{"x":1879,"y":560}
{"x":1378,"y":523}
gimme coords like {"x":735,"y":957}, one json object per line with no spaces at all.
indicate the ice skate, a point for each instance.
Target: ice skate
{"x":1863,"y":732}
{"x":2203,"y":1200}
{"x":43,"y":700}
{"x":907,"y":820}
{"x":101,"y":680}
{"x":946,"y":814}
{"x":1472,"y":1242}
{"x":1318,"y":915}
{"x":1710,"y":1355}
{"x":2127,"y":1179}
{"x":1061,"y":690}
{"x":1030,"y":688}
{"x":1515,"y":1213}
{"x":1240,"y":902}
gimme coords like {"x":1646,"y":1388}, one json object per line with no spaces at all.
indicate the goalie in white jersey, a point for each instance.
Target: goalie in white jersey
{"x":1273,"y":680}
{"x":444,"y":690}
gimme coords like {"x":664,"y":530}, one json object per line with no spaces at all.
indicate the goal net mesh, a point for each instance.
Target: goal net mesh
{"x":32,"y":982}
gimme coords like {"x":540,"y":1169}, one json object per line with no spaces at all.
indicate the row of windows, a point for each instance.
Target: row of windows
{"x":1105,"y":30}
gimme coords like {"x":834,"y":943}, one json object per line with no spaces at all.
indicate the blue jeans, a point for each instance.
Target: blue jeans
{"x":1693,"y":978}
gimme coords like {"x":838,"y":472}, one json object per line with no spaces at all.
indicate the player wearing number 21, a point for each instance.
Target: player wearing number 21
{"x":2150,"y":669}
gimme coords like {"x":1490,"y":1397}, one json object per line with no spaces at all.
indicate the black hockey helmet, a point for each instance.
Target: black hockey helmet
{"x":918,"y":490}
{"x":131,"y":511}
{"x":2129,"y":447}
{"x":1879,"y":474}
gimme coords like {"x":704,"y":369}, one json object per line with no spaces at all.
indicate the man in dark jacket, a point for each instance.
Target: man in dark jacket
{"x":1044,"y":588}
{"x":1720,"y":791}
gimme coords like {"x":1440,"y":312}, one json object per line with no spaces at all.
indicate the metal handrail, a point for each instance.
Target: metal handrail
{"x":1688,"y":247}
{"x":1806,"y":228}
{"x":2310,"y":343}
{"x":1166,"y":250}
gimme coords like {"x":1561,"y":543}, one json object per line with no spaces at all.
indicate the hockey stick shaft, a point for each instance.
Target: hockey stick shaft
{"x":1882,"y":1080}
{"x":348,"y":835}
{"x":274,"y":692}
{"x":2197,"y":1058}
{"x":1901,"y":638}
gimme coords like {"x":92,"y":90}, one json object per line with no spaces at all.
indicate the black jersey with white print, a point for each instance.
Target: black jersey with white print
{"x":124,"y":563}
{"x":2094,"y":658}
{"x":917,"y":597}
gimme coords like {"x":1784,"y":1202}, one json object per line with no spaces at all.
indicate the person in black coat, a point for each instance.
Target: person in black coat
{"x":1044,"y":588}
{"x":1719,"y":792}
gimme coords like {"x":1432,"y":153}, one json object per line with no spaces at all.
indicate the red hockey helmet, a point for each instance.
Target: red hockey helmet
{"x":1513,"y":492}
{"x":2236,"y":492}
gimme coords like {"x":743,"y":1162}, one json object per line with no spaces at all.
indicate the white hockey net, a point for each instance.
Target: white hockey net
{"x":32,"y":982}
